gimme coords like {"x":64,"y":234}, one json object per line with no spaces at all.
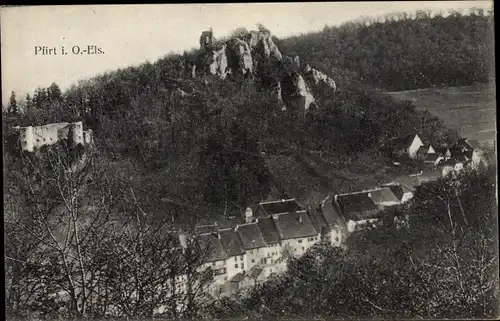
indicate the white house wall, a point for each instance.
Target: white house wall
{"x":415,"y":145}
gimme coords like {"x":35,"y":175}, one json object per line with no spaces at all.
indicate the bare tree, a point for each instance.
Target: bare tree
{"x":62,"y":204}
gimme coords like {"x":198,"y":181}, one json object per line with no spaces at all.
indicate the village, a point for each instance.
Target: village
{"x":254,"y":247}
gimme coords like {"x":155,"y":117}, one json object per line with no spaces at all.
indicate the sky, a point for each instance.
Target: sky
{"x":129,"y":35}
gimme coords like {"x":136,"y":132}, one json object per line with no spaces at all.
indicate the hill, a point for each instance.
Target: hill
{"x":220,"y":138}
{"x":404,"y":51}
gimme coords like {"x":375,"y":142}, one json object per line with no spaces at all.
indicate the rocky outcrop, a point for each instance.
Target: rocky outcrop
{"x":254,"y":54}
{"x":239,"y":57}
{"x":217,"y":61}
{"x":319,"y":76}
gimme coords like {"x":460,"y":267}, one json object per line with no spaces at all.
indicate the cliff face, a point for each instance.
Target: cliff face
{"x":254,"y":55}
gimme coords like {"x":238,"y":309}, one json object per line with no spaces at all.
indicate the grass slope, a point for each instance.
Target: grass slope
{"x":469,"y":109}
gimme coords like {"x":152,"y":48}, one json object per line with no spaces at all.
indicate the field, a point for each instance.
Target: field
{"x":471,"y":109}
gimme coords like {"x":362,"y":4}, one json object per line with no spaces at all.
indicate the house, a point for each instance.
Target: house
{"x":451,"y":166}
{"x":216,"y":260}
{"x":274,"y":250}
{"x":296,"y":232}
{"x":408,"y":145}
{"x":433,"y":159}
{"x":472,"y":151}
{"x":443,"y":152}
{"x":384,"y":197}
{"x":236,"y":255}
{"x":358,"y":209}
{"x":424,"y":151}
{"x":328,"y":221}
{"x":253,"y":243}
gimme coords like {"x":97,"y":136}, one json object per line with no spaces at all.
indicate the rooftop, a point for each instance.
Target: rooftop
{"x":383,"y":195}
{"x":214,"y":244}
{"x":403,"y":141}
{"x":295,"y":225}
{"x":231,"y":242}
{"x":396,"y":189}
{"x":357,"y":205}
{"x":282,"y":206}
{"x":238,"y":277}
{"x":268,"y":229}
{"x":255,"y":272}
{"x":250,"y":236}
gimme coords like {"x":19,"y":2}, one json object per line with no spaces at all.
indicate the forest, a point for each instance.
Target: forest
{"x":405,"y":51}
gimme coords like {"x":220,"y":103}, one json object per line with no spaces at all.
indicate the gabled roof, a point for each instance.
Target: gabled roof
{"x":396,"y":189}
{"x":217,"y":251}
{"x":294,"y":225}
{"x":231,"y":242}
{"x":281,"y":206}
{"x":449,"y":162}
{"x":468,"y":144}
{"x":317,"y":217}
{"x":255,"y":272}
{"x":441,"y":150}
{"x":431,"y":158}
{"x":473,"y":144}
{"x":403,"y":142}
{"x":455,"y":151}
{"x":424,"y":149}
{"x":383,"y":195}
{"x":268,"y":229}
{"x":250,"y":236}
{"x":330,"y":212}
{"x":356,"y":206}
{"x":238,"y":277}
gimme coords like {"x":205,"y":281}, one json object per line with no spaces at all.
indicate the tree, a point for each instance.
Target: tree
{"x":12,"y":107}
{"x":54,"y":93}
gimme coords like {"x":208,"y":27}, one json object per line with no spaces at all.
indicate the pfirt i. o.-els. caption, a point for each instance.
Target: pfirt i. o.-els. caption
{"x":64,"y":50}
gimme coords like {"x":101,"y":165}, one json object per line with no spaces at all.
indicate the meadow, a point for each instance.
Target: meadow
{"x":469,"y":109}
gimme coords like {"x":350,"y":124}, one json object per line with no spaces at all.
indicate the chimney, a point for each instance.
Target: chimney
{"x":300,"y":218}
{"x":282,"y":200}
{"x":236,"y":227}
{"x":248,"y":215}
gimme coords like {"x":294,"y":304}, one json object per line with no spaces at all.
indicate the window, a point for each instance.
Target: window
{"x":213,"y":263}
{"x":268,"y":254}
{"x":241,"y":258}
{"x":225,"y":278}
{"x":302,"y":248}
{"x":270,"y":270}
{"x":236,"y":266}
{"x":242,"y":265}
{"x":253,"y":260}
{"x":300,"y":241}
{"x":235,"y":259}
{"x":37,"y":140}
